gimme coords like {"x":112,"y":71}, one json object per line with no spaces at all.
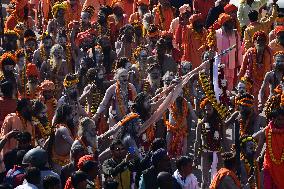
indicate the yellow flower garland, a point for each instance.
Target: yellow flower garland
{"x":270,"y":151}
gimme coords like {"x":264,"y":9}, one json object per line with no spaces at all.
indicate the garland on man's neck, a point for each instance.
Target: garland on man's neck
{"x":220,"y":108}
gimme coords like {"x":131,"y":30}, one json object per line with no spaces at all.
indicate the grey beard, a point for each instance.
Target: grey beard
{"x":92,"y":140}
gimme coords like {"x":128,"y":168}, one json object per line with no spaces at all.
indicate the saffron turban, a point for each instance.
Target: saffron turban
{"x":195,"y":17}
{"x":8,"y":59}
{"x":230,"y":8}
{"x":32,"y":70}
{"x":279,"y":29}
{"x":83,"y":159}
{"x":184,"y":8}
{"x":223,"y":18}
{"x":47,"y":85}
{"x":145,"y":2}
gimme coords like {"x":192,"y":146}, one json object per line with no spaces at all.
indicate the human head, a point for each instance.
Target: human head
{"x":58,"y":10}
{"x":39,"y":111}
{"x":32,"y":74}
{"x":76,"y":152}
{"x":197,"y":23}
{"x":46,"y":40}
{"x":231,"y":10}
{"x":278,"y":117}
{"x":164,"y":2}
{"x":91,"y":168}
{"x":241,"y":88}
{"x":47,"y":89}
{"x":51,"y":182}
{"x":226,"y":22}
{"x":153,"y":34}
{"x":246,"y":103}
{"x":248,"y":145}
{"x":118,"y":150}
{"x":70,"y":84}
{"x":143,"y":55}
{"x":63,"y":115}
{"x":154,"y":72}
{"x":165,"y":180}
{"x":206,"y":105}
{"x":168,"y":78}
{"x":87,"y":14}
{"x":10,"y":40}
{"x":279,"y":61}
{"x":142,"y":7}
{"x":7,"y":62}
{"x":185,"y":67}
{"x":253,"y":15}
{"x":33,"y":175}
{"x":123,"y":62}
{"x":142,"y":105}
{"x":79,"y":180}
{"x":117,"y":9}
{"x":230,"y":160}
{"x":185,"y":12}
{"x":128,"y":31}
{"x":7,"y":89}
{"x":160,"y":160}
{"x":56,"y":52}
{"x":259,"y":40}
{"x":279,"y":31}
{"x":61,"y":38}
{"x":24,"y":140}
{"x":35,"y":157}
{"x":184,"y":165}
{"x":147,"y":20}
{"x":161,"y":47}
{"x":121,"y":76}
{"x":30,"y":39}
{"x":24,"y":108}
{"x":87,"y":130}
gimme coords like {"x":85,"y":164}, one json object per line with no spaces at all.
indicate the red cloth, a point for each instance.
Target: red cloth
{"x":279,"y":29}
{"x":83,"y":159}
{"x":277,"y":139}
{"x":230,"y":8}
{"x":7,"y":106}
{"x":32,"y":70}
{"x":203,"y":7}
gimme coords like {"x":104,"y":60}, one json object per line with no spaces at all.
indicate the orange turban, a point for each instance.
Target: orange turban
{"x":195,"y":17}
{"x":32,"y":70}
{"x":47,"y":85}
{"x":223,"y":18}
{"x":204,"y":102}
{"x":279,"y":29}
{"x":83,"y":159}
{"x":8,"y":58}
{"x":230,"y":8}
{"x":145,"y":2}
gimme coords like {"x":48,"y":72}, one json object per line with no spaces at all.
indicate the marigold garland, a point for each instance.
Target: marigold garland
{"x":257,"y":75}
{"x":42,"y":52}
{"x":161,"y":16}
{"x":270,"y":151}
{"x":220,"y":108}
{"x":128,"y":118}
{"x":45,"y":131}
{"x":121,"y":105}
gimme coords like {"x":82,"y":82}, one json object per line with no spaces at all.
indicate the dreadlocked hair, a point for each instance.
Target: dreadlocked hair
{"x":271,"y":104}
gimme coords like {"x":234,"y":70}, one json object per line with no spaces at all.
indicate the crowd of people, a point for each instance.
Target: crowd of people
{"x":146,"y":94}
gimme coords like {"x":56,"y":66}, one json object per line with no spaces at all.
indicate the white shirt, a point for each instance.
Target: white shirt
{"x":244,"y":9}
{"x":26,"y":185}
{"x":189,"y":183}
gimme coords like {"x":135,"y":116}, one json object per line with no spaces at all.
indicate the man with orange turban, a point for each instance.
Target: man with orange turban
{"x":20,"y":14}
{"x":164,"y":13}
{"x":46,"y":96}
{"x":278,"y":22}
{"x":226,"y":37}
{"x":193,"y":37}
{"x":278,"y":43}
{"x":255,"y":25}
{"x":257,"y":62}
{"x":142,"y":6}
{"x":31,"y":89}
{"x":96,"y":4}
{"x":232,"y":10}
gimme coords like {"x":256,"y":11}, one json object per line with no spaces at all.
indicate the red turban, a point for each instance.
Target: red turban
{"x":279,"y":29}
{"x":83,"y":36}
{"x":259,"y":35}
{"x":230,"y":8}
{"x":223,"y":18}
{"x":145,"y":2}
{"x":32,"y":70}
{"x":83,"y":159}
{"x":47,"y":85}
{"x":195,"y":17}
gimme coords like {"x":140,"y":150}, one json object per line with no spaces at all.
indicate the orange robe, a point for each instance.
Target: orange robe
{"x":14,"y":19}
{"x":277,"y":143}
{"x":51,"y":107}
{"x":73,"y":13}
{"x":163,"y":17}
{"x":220,"y":175}
{"x":13,"y":121}
{"x":191,"y":41}
{"x":256,"y":72}
{"x":275,"y":46}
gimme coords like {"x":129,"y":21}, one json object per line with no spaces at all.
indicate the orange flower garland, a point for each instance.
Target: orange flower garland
{"x":121,"y":105}
{"x":128,"y":118}
{"x":42,"y":53}
{"x":257,"y":75}
{"x":270,"y":151}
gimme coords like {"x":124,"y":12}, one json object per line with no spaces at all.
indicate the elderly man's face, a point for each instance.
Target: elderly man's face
{"x":61,"y":40}
{"x":85,"y":17}
{"x":154,"y":74}
{"x":123,"y":77}
{"x":30,"y":44}
{"x":241,"y":88}
{"x":47,"y":43}
{"x":60,"y":13}
{"x":143,"y":56}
